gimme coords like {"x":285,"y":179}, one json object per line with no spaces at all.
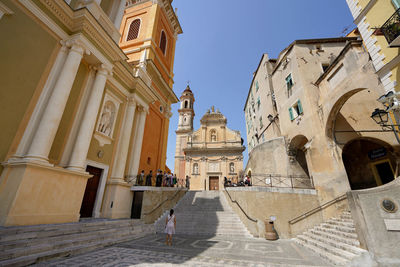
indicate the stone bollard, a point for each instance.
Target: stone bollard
{"x":270,"y":233}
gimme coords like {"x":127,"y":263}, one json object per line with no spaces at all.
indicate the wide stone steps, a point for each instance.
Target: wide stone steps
{"x":336,"y":232}
{"x":205,"y":213}
{"x":350,"y":241}
{"x":40,"y":231}
{"x":335,"y":240}
{"x":328,"y":256}
{"x":20,"y":246}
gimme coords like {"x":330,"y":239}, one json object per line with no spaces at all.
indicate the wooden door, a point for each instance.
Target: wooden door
{"x":136,"y":210}
{"x":90,"y":192}
{"x":214,"y":183}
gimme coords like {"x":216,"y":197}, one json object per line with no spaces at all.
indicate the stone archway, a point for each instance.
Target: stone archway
{"x":368,"y":155}
{"x":297,"y":156}
{"x":369,"y":163}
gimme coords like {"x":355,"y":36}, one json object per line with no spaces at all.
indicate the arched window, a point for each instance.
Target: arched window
{"x":195,"y":168}
{"x":163,"y":42}
{"x":213,"y":136}
{"x":133,"y":32}
{"x":186,"y":104}
{"x":231,"y":167}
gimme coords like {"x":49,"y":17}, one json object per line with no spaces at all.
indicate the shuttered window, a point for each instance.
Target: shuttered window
{"x":291,"y":113}
{"x":299,"y":107}
{"x":289,"y":82}
{"x":163,"y":42}
{"x":133,"y":30}
{"x":295,"y":110}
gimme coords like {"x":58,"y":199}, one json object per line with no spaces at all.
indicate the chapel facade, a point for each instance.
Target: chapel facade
{"x":209,"y":154}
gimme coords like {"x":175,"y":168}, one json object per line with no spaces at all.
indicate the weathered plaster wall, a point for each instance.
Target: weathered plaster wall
{"x":378,"y":230}
{"x":24,"y":68}
{"x":261,"y":203}
{"x":265,"y":157}
{"x":38,"y":195}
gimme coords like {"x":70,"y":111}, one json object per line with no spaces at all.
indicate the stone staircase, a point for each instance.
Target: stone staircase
{"x":205,"y":213}
{"x":336,"y":240}
{"x":25,"y":245}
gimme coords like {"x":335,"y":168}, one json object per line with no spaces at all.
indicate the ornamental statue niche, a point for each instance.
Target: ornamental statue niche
{"x":107,"y":119}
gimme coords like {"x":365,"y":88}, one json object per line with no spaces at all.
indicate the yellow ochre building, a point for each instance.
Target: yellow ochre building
{"x":86,"y":92}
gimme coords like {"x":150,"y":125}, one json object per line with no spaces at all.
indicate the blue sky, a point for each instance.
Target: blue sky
{"x":223,"y":41}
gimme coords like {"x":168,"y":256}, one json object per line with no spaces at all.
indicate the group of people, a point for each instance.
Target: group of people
{"x":245,"y":182}
{"x":161,"y":179}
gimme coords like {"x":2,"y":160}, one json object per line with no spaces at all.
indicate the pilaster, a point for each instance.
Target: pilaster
{"x":78,"y":156}
{"x":47,"y":129}
{"x":123,"y":145}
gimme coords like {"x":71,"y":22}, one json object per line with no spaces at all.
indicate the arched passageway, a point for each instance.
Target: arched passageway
{"x":368,"y":163}
{"x":298,"y":155}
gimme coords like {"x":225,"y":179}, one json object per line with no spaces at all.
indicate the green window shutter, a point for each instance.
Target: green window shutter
{"x":396,"y":3}
{"x":291,"y":114}
{"x":289,"y":81}
{"x":257,"y":85}
{"x":300,"y":107}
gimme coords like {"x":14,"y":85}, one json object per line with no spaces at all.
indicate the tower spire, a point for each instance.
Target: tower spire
{"x":186,"y":111}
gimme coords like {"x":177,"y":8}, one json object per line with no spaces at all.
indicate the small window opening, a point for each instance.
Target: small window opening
{"x":133,"y":32}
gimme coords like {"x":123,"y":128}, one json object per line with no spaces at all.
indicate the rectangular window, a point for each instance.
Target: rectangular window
{"x":396,"y":3}
{"x":257,"y":86}
{"x":289,"y":84}
{"x":295,"y":110}
{"x":261,"y":123}
{"x":258,"y":103}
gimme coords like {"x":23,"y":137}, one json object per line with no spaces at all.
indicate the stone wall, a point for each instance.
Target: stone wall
{"x":167,"y":197}
{"x":262,"y":202}
{"x":378,"y":229}
{"x":264,"y":158}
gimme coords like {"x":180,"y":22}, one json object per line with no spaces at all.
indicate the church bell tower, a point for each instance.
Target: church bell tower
{"x":185,"y":128}
{"x":186,"y":112}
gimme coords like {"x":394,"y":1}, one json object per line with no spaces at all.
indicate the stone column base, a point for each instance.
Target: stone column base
{"x":118,"y":198}
{"x":31,"y":193}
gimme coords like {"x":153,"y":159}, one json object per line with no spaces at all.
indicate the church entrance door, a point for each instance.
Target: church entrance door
{"x":90,"y":192}
{"x":214,"y":183}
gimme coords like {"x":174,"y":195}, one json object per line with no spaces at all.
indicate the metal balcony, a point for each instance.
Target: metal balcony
{"x":391,"y":29}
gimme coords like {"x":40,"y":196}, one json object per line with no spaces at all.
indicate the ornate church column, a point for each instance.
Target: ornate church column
{"x":79,"y":153}
{"x":47,"y":129}
{"x":137,"y":142}
{"x":123,"y":146}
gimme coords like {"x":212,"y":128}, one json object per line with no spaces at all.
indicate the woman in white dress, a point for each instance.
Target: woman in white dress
{"x":170,"y":224}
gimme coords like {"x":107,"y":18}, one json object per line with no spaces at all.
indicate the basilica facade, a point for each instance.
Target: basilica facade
{"x":85,"y":107}
{"x":209,"y":154}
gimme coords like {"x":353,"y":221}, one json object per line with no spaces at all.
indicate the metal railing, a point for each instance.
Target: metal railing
{"x":162,"y":203}
{"x":391,"y":28}
{"x":240,"y":207}
{"x":319,"y":208}
{"x":284,"y":181}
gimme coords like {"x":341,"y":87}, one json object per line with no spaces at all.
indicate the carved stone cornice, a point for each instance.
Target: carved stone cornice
{"x":82,"y":20}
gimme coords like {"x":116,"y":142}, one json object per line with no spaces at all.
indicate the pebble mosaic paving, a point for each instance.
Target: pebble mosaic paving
{"x":196,"y":251}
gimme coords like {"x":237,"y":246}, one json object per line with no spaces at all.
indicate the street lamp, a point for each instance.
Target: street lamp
{"x":380,"y":116}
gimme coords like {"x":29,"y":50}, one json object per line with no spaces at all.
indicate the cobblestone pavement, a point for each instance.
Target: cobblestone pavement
{"x":196,"y":251}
